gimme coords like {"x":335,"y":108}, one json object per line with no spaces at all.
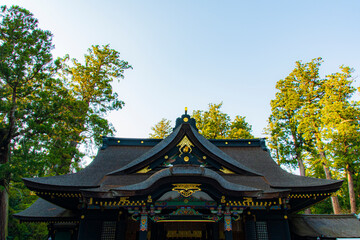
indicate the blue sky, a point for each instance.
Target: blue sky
{"x":192,"y":53}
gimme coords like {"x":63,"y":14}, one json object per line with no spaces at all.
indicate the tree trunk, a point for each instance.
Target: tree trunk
{"x":301,"y":167}
{"x":4,"y":200}
{"x":302,"y":173}
{"x":352,"y":195}
{"x":3,"y":192}
{"x":3,"y":214}
{"x":334,"y":199}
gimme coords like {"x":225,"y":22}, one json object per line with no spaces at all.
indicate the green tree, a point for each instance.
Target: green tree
{"x":161,"y":130}
{"x":341,"y":118}
{"x":311,"y":125}
{"x":212,"y":124}
{"x":315,"y":119}
{"x":68,"y":112}
{"x":285,"y":141}
{"x":47,"y":109}
{"x":90,"y":98}
{"x":25,"y":62}
{"x":239,"y":129}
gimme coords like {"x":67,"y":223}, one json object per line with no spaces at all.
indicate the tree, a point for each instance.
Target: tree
{"x":314,"y":118}
{"x":311,"y":125}
{"x":161,"y":130}
{"x":48,"y":108}
{"x":284,"y":137}
{"x":341,"y":118}
{"x":239,"y":129}
{"x":90,"y":98}
{"x":212,"y":124}
{"x":25,"y":61}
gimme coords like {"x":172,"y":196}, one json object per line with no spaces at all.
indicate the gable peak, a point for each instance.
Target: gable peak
{"x":186,"y":119}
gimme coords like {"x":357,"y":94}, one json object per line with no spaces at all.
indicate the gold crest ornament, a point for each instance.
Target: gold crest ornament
{"x":186,"y":189}
{"x":185,"y":146}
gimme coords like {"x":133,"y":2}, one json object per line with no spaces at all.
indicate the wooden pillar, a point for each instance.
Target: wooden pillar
{"x":161,"y":231}
{"x":121,"y":229}
{"x":228,"y":227}
{"x":154,"y":233}
{"x":214,"y":231}
{"x":287,"y":227}
{"x":143,"y":227}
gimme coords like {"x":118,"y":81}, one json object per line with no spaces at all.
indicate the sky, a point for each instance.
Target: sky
{"x":192,"y":53}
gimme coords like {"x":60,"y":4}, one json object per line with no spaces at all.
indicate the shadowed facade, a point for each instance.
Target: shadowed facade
{"x":180,"y":187}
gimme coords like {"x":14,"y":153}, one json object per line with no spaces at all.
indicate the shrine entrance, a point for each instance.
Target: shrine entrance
{"x":194,"y":230}
{"x":187,"y":230}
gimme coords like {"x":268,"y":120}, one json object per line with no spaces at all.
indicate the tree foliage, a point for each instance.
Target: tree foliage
{"x":48,"y":109}
{"x":315,"y":124}
{"x":161,"y":130}
{"x":25,"y":66}
{"x":212,"y":124}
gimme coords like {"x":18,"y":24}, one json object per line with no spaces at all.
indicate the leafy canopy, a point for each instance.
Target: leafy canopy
{"x":212,"y":124}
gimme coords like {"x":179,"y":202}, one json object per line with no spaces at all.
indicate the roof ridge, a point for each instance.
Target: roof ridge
{"x":183,"y":130}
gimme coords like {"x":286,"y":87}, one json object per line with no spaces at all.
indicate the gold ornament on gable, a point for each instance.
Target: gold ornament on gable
{"x":185,"y":146}
{"x":186,"y":189}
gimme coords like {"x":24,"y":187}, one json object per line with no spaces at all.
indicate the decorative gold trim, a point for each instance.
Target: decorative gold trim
{"x":186,"y":189}
{"x":59,"y":194}
{"x":185,"y":221}
{"x":185,"y":146}
{"x":186,"y":158}
{"x":144,"y":170}
{"x":309,"y":195}
{"x":226,"y":171}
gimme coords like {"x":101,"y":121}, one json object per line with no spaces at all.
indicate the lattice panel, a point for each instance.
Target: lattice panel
{"x":262,"y":231}
{"x":108,"y":230}
{"x":250,"y":230}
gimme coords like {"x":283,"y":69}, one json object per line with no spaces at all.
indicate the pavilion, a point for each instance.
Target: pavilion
{"x":180,"y":187}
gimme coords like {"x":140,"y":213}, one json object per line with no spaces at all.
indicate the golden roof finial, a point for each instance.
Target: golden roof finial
{"x":185,"y":110}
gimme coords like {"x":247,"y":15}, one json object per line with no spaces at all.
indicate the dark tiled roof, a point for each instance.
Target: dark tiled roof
{"x":330,"y":226}
{"x":106,"y":161}
{"x":253,"y":181}
{"x":156,"y":149}
{"x":203,"y":143}
{"x":194,"y":171}
{"x":42,"y":210}
{"x":261,"y":161}
{"x":216,"y":151}
{"x":257,"y":170}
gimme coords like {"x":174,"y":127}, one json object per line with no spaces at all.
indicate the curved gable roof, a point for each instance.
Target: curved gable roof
{"x":183,"y":171}
{"x":185,"y":129}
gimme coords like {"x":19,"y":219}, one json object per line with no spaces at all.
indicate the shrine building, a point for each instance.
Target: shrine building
{"x":180,"y":187}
